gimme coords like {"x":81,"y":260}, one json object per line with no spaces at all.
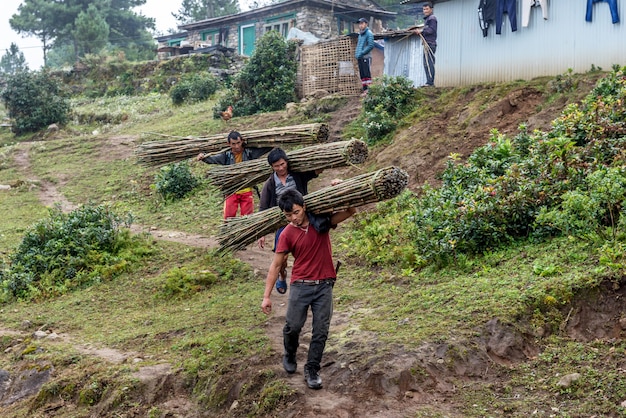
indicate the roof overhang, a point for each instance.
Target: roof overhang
{"x":288,"y":5}
{"x":434,"y":2}
{"x":169,"y":37}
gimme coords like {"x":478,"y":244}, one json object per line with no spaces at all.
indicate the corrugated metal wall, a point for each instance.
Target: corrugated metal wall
{"x":401,"y":59}
{"x":546,"y":47}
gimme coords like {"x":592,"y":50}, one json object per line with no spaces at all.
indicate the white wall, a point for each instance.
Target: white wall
{"x":545,"y":47}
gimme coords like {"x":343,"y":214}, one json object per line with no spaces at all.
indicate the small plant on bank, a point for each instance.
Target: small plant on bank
{"x":194,"y":87}
{"x":563,"y":83}
{"x":388,"y":100}
{"x":180,"y":283}
{"x":175,"y":181}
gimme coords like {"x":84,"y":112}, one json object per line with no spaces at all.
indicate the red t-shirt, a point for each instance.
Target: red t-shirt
{"x":311,"y":251}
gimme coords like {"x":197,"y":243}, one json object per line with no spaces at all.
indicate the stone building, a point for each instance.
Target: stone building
{"x":325,"y":19}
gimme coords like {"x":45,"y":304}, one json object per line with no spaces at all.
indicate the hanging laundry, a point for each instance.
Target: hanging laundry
{"x":527,"y":5}
{"x":510,"y":8}
{"x":612,"y":6}
{"x":486,"y":14}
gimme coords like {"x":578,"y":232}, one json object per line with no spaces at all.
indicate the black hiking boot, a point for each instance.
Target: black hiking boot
{"x":289,"y":363}
{"x":312,"y":377}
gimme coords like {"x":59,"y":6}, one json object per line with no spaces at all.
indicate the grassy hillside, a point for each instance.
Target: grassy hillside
{"x":178,"y":331}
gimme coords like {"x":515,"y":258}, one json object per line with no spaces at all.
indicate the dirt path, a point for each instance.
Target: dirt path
{"x":48,"y":193}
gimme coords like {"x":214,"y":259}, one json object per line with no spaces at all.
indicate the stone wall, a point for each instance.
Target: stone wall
{"x":319,"y":22}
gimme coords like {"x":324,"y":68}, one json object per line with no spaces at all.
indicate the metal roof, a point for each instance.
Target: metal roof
{"x":287,"y":5}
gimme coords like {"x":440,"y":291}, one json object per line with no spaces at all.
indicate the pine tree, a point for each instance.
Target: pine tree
{"x":195,"y":10}
{"x":13,"y":60}
{"x":91,"y":32}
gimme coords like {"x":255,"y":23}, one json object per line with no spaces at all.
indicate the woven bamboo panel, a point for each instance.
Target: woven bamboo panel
{"x":330,"y":66}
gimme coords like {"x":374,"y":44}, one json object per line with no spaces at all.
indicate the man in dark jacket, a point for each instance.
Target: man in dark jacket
{"x":242,"y":199}
{"x":429,"y":36}
{"x":281,"y":180}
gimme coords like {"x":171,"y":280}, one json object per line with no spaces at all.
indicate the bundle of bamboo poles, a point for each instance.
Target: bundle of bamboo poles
{"x":156,"y":153}
{"x":386,"y":183}
{"x":230,"y":178}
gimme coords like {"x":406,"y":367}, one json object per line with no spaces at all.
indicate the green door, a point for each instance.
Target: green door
{"x":248,"y":37}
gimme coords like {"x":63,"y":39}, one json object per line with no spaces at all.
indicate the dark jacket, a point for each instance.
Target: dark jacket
{"x":430,"y":31}
{"x":268,"y":194}
{"x":228,"y":158}
{"x":486,"y":14}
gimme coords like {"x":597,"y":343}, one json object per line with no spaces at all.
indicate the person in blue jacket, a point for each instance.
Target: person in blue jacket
{"x":363,"y":54}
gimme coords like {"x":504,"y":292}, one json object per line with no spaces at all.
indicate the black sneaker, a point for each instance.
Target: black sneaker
{"x":313,"y":379}
{"x":289,"y":363}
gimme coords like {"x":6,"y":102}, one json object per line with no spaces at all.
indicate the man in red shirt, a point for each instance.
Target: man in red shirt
{"x":312,"y":279}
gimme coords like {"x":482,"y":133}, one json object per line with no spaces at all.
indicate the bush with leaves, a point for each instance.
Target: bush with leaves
{"x":175,"y":181}
{"x":567,"y":181}
{"x":180,"y":283}
{"x":268,"y":81}
{"x":194,"y":87}
{"x":34,"y":100}
{"x":601,"y":115}
{"x":388,"y":100}
{"x":68,"y":251}
{"x":592,"y":209}
{"x":185,"y":282}
{"x":387,"y":228}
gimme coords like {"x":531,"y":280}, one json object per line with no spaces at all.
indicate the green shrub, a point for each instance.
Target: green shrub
{"x":567,"y":181}
{"x":268,"y":81}
{"x":601,"y":115}
{"x":179,"y":93}
{"x":384,"y":236}
{"x":587,"y":211}
{"x":175,"y":181}
{"x":194,"y":87}
{"x":34,"y":100}
{"x":184,"y":282}
{"x":67,"y":251}
{"x":388,"y":100}
{"x":180,"y":283}
{"x":563,"y":82}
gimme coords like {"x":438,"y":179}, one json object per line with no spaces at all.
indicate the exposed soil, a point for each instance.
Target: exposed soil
{"x":49,"y":195}
{"x":359,"y":382}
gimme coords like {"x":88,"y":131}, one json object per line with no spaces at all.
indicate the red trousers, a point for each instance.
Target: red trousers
{"x":243,"y":201}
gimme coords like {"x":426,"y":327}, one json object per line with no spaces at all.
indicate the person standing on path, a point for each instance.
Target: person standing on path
{"x":312,"y":279}
{"x":363,"y":55}
{"x":238,"y":152}
{"x":429,"y":38}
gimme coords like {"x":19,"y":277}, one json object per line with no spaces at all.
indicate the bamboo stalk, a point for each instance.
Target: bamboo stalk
{"x":230,"y":178}
{"x":156,"y":153}
{"x":386,"y":183}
